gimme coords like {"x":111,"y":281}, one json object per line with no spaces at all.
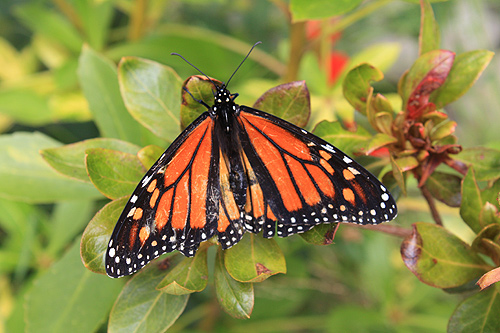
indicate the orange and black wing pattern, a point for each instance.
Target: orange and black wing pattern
{"x":171,"y":208}
{"x":298,"y":180}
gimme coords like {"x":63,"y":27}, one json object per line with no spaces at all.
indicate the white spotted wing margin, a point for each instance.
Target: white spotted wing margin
{"x":328,"y":186}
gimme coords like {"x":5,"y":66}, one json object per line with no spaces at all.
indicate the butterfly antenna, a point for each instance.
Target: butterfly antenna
{"x":177,"y":54}
{"x":241,"y":63}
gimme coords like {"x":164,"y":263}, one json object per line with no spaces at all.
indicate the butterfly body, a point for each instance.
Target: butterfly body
{"x":237,"y":169}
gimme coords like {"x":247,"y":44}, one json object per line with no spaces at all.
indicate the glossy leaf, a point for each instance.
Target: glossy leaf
{"x":349,"y":142}
{"x":486,"y":161}
{"x":25,"y":176}
{"x":201,"y":89}
{"x":323,"y":234}
{"x":378,"y":141}
{"x":66,"y":289}
{"x":115,"y":174}
{"x":70,"y":159}
{"x":151,"y":92}
{"x":142,"y":308}
{"x":439,"y":258}
{"x":262,"y":259}
{"x":235,"y":298}
{"x":445,"y":187}
{"x":289,"y":101}
{"x":442,"y":130}
{"x":149,"y":155}
{"x":99,"y":81}
{"x":189,"y":276}
{"x":307,"y":10}
{"x":478,"y":313}
{"x":429,"y":37}
{"x":472,"y":202}
{"x":466,"y":69}
{"x":96,"y":236}
{"x":356,"y":85}
{"x":398,"y":175}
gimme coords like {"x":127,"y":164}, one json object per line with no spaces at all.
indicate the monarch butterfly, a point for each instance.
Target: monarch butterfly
{"x":236,"y":169}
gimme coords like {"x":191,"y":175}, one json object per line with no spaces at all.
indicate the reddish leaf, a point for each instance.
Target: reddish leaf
{"x":427,"y":74}
{"x":489,"y":278}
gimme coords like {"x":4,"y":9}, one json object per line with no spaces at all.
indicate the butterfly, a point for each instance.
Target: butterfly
{"x":236,"y":169}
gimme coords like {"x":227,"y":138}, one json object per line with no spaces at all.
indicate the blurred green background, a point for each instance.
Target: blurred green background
{"x":357,"y":284}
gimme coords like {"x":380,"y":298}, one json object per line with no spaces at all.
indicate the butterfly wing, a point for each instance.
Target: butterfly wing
{"x":172,"y":207}
{"x":298,"y":180}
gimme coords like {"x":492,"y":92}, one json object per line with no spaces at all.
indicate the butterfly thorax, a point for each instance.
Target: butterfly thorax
{"x":224,"y":108}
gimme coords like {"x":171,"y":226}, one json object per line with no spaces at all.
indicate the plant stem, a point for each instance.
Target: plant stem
{"x":297,"y":47}
{"x":137,"y":19}
{"x":432,"y":205}
{"x":70,"y":13}
{"x":393,"y":230}
{"x":357,"y":15}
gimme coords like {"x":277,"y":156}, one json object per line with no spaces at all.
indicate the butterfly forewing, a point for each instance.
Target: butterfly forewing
{"x":168,"y":209}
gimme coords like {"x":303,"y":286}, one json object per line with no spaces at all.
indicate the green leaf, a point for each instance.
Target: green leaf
{"x":25,"y":176}
{"x":151,"y":92}
{"x":347,"y":141}
{"x":189,"y":276}
{"x":50,"y":24}
{"x":96,"y":236}
{"x":472,"y":202}
{"x":69,"y":218}
{"x":289,"y":101}
{"x":25,"y":106}
{"x":322,"y":234}
{"x":445,"y":187}
{"x":201,"y":89}
{"x":70,"y":159}
{"x":398,"y":174}
{"x":236,"y":298}
{"x":485,"y":241}
{"x":486,"y":161}
{"x":318,"y":9}
{"x":142,"y":308}
{"x":439,"y":258}
{"x":429,"y":37}
{"x":99,"y":82}
{"x":95,"y":17}
{"x":378,"y":141}
{"x":18,"y":222}
{"x":149,"y":155}
{"x":114,"y":173}
{"x":357,"y":86}
{"x":254,"y":259}
{"x":65,"y":290}
{"x":466,"y":69}
{"x":478,"y":313}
